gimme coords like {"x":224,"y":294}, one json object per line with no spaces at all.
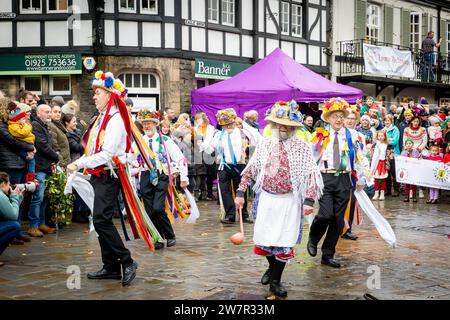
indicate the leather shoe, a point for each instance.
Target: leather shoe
{"x":159,"y":245}
{"x":104,"y":274}
{"x":277,"y":288}
{"x":331,"y":262}
{"x":171,"y":242}
{"x":266,"y":277}
{"x":312,"y":249}
{"x":350,"y":236}
{"x":226,"y":221}
{"x":129,"y":273}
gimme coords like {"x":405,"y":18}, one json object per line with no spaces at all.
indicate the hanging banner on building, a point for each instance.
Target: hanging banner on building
{"x":215,"y":69}
{"x":388,"y":61}
{"x":49,"y":63}
{"x":422,"y":172}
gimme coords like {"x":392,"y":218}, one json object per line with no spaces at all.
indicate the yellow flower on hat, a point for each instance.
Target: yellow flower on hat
{"x":98,"y":74}
{"x":118,"y":85}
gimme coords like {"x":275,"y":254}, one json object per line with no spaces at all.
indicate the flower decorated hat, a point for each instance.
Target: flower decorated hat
{"x":355,"y":110}
{"x":226,"y":116}
{"x":106,"y":80}
{"x":148,"y":115}
{"x":285,"y":113}
{"x":334,"y":105}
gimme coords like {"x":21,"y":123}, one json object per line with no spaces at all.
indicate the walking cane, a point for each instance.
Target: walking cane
{"x":238,"y":237}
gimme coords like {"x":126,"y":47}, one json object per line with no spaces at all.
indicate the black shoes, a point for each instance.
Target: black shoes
{"x":104,"y":274}
{"x":226,"y":221}
{"x":331,"y":262}
{"x":349,"y":236}
{"x":171,"y":242}
{"x":277,"y":289}
{"x":312,"y":249}
{"x":266,"y":277}
{"x":159,"y":245}
{"x":129,"y":273}
{"x":247,"y":220}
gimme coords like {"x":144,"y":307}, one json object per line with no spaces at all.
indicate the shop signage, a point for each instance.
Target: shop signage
{"x":51,"y":63}
{"x":215,"y":69}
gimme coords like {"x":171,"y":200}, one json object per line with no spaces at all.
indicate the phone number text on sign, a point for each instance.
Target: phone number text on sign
{"x":51,"y":62}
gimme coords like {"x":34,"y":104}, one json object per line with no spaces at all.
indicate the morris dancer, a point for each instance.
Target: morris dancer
{"x":154,"y":183}
{"x":340,"y":162}
{"x":287,"y":181}
{"x":108,"y":139}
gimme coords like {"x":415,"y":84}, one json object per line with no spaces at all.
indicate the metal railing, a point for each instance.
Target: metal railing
{"x":351,"y":59}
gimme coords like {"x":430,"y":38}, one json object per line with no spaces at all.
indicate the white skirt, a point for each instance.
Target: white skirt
{"x":278,"y":220}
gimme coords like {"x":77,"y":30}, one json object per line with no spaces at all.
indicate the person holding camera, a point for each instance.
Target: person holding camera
{"x":10,"y":200}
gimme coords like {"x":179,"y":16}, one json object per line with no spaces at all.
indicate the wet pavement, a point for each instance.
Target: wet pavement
{"x":205,"y":265}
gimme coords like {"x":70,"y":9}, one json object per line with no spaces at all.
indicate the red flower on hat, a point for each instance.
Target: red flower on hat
{"x":103,"y":76}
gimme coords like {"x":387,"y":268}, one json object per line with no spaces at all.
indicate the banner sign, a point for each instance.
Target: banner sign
{"x":388,"y":61}
{"x":51,"y":63}
{"x":215,"y":69}
{"x":422,"y":172}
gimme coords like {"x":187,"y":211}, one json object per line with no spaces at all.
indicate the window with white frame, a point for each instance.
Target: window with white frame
{"x":30,"y":6}
{"x":213,"y":11}
{"x":60,"y":85}
{"x":296,"y":20}
{"x":415,"y":37}
{"x":284,"y":17}
{"x":373,"y":22}
{"x":448,"y":37}
{"x":57,"y":6}
{"x":149,"y":6}
{"x":32,"y":83}
{"x":127,"y":6}
{"x":140,"y":82}
{"x":228,"y":10}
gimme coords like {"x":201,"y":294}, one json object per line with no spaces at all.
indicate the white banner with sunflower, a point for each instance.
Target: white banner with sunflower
{"x":422,"y":172}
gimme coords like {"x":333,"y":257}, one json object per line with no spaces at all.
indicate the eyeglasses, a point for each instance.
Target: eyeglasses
{"x":336,"y":117}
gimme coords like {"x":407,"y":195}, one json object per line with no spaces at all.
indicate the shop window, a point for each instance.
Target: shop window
{"x":32,"y":83}
{"x":127,"y":6}
{"x":30,"y":6}
{"x":149,"y":6}
{"x":60,"y":85}
{"x":140,"y":82}
{"x":57,"y":6}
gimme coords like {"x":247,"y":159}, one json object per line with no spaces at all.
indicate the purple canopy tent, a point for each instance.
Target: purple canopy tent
{"x":274,"y":78}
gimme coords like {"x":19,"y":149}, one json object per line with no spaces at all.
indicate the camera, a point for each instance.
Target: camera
{"x":29,"y":186}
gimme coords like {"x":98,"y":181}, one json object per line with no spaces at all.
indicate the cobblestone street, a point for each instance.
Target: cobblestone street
{"x":205,"y":265}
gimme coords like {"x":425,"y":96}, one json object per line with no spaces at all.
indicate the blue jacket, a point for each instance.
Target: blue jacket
{"x":393,"y":134}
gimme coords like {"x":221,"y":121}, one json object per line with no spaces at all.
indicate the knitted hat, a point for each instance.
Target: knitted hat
{"x":285,"y":113}
{"x":435,"y":119}
{"x":334,"y":105}
{"x":16,"y":114}
{"x":58,"y":100}
{"x":68,"y":109}
{"x":226,"y":116}
{"x":366,"y":117}
{"x":109,"y":83}
{"x":423,"y":100}
{"x":24,"y":107}
{"x":145,"y":115}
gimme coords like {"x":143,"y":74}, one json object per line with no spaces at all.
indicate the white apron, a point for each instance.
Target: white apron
{"x":278,"y":220}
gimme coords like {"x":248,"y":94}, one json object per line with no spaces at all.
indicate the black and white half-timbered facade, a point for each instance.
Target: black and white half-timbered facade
{"x":161,"y":49}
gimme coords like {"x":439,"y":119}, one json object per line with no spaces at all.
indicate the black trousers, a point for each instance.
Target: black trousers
{"x":210,"y":177}
{"x":227,"y":177}
{"x":154,"y":202}
{"x":330,"y":218}
{"x":114,"y":253}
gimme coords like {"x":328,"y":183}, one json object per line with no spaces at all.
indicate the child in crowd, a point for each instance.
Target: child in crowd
{"x":435,"y":130}
{"x":19,"y":126}
{"x":380,"y":164}
{"x":410,"y":152}
{"x":434,"y":156}
{"x":447,"y":155}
